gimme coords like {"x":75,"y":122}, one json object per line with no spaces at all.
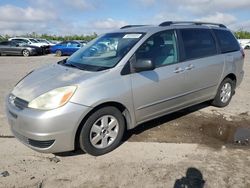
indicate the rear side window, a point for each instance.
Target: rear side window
{"x":20,"y":40}
{"x":198,"y":43}
{"x":227,"y":41}
{"x":4,"y":43}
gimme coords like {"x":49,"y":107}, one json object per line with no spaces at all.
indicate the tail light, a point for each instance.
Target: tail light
{"x":242,"y":53}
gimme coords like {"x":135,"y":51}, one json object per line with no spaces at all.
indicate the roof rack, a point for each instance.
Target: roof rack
{"x":129,"y":26}
{"x":168,"y":23}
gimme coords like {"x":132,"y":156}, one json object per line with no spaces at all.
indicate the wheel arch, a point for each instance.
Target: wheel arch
{"x":27,"y":50}
{"x":59,"y":50}
{"x":232,"y":77}
{"x":125,"y":112}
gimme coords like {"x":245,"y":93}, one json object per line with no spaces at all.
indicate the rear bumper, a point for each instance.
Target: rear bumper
{"x":46,"y":131}
{"x":240,"y":78}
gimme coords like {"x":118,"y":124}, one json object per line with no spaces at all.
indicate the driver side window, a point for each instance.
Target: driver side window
{"x":160,"y":48}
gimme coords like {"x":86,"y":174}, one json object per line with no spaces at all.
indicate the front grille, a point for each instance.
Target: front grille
{"x":45,"y":49}
{"x":34,"y":143}
{"x":18,"y":102}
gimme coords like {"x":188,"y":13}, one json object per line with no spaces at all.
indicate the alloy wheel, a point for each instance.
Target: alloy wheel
{"x":104,"y":131}
{"x":225,"y":92}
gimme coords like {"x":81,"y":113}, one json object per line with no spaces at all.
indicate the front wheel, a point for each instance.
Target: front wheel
{"x":102,"y":132}
{"x":26,"y":53}
{"x":224,"y":93}
{"x":58,"y":53}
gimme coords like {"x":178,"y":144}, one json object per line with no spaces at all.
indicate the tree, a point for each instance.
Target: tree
{"x":242,"y":34}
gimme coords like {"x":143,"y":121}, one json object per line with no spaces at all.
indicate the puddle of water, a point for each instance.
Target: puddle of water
{"x":212,"y":130}
{"x":242,"y":136}
{"x":227,"y":133}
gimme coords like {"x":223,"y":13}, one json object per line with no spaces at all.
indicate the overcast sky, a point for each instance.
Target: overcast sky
{"x":65,"y":17}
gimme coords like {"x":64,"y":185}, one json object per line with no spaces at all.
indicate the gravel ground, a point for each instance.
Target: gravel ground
{"x":202,"y":141}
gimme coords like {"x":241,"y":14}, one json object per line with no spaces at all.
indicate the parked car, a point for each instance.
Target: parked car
{"x":90,"y":99}
{"x":13,"y":48}
{"x":65,"y":48}
{"x":48,"y":42}
{"x":32,"y":42}
{"x":244,"y":43}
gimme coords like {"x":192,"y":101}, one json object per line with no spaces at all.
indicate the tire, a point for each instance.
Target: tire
{"x":224,"y":93}
{"x":58,"y":53}
{"x":98,"y":135}
{"x":26,"y":53}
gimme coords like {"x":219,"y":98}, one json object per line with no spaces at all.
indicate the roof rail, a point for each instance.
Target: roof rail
{"x":129,"y":26}
{"x":168,"y":23}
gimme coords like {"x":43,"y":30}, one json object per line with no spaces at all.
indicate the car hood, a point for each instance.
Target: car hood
{"x":39,"y":44}
{"x":48,"y":78}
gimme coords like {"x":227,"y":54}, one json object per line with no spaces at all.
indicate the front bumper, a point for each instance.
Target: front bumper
{"x":46,"y":131}
{"x":45,"y":49}
{"x":35,"y":52}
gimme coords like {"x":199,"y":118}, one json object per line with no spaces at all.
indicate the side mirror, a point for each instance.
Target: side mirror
{"x":78,"y":45}
{"x":17,"y":45}
{"x":143,"y":65}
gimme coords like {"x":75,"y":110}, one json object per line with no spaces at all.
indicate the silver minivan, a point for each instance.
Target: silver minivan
{"x":122,"y":79}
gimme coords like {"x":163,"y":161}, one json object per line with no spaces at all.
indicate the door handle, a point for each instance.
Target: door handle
{"x":189,"y":67}
{"x":178,"y":70}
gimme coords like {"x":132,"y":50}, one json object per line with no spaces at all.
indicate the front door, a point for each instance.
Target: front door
{"x":160,"y":90}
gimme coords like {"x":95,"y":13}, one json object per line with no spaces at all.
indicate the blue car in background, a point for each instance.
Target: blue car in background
{"x":65,"y":48}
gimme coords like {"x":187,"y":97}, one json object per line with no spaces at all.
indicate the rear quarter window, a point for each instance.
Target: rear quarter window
{"x":227,"y":41}
{"x":198,"y":43}
{"x":4,"y":43}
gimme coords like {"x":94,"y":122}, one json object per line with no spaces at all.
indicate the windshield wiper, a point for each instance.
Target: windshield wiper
{"x":70,"y":64}
{"x":66,"y":63}
{"x":62,"y":61}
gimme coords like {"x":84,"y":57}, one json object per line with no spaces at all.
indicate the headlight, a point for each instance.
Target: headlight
{"x":53,"y":99}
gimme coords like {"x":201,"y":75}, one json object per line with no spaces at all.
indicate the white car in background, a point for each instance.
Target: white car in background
{"x":246,"y":46}
{"x":244,"y":43}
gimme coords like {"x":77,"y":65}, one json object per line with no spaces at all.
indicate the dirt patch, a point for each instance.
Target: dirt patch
{"x":214,"y":130}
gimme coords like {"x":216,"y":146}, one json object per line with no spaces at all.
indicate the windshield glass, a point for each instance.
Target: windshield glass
{"x":104,"y":52}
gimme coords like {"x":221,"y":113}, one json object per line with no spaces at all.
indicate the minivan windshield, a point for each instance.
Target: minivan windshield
{"x":104,"y":52}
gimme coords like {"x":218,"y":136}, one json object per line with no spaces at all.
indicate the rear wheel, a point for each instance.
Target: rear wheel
{"x":224,"y":93}
{"x":58,"y":53}
{"x":26,"y":53}
{"x":102,"y":132}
